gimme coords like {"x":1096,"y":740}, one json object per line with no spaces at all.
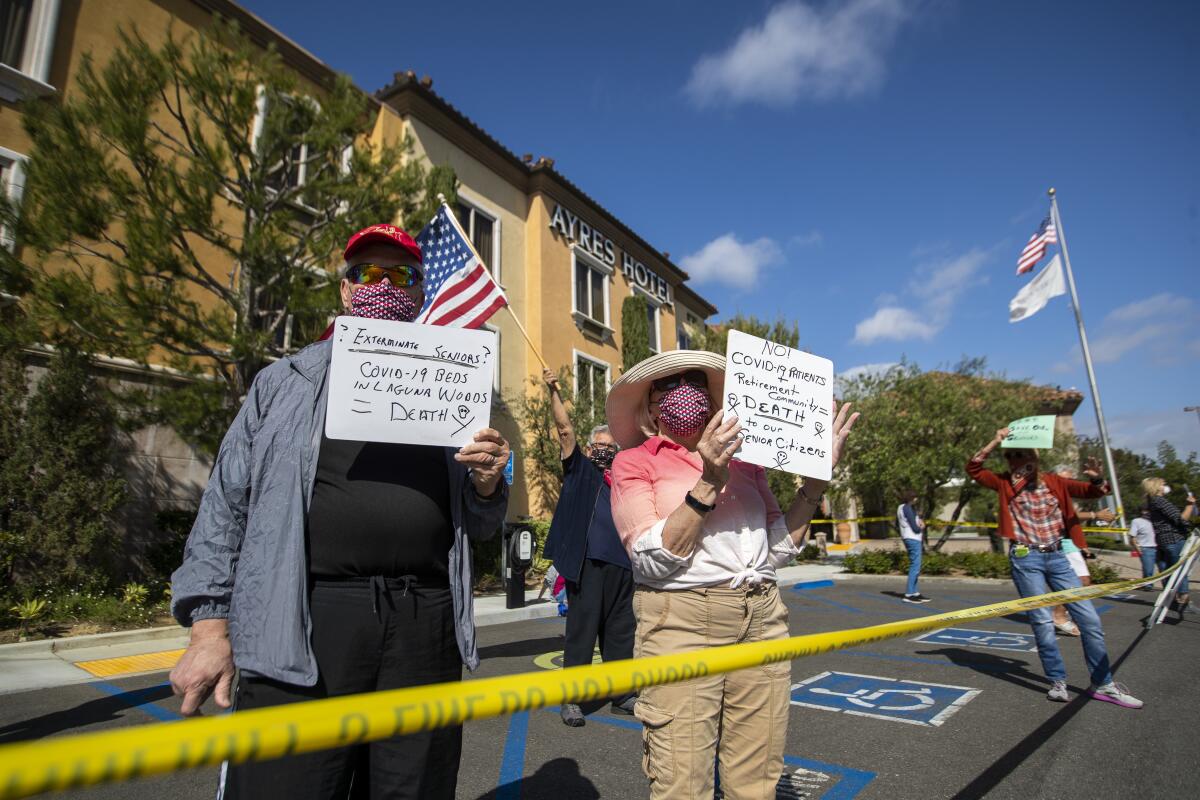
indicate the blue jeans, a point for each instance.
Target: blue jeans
{"x":1168,"y":554}
{"x":914,"y":564}
{"x":1149,"y":556}
{"x":1038,"y":573}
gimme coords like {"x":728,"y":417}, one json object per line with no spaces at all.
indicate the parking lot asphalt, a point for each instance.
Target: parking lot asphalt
{"x":959,"y":713}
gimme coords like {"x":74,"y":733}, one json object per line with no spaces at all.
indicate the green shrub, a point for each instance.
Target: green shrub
{"x":1101,"y":542}
{"x":875,"y":562}
{"x":1102,"y":573}
{"x":934,"y":564}
{"x":977,"y":565}
{"x":101,"y":609}
{"x":810,"y":553}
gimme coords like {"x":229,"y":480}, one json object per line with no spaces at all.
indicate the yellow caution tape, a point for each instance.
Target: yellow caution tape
{"x":89,"y":759}
{"x":945,"y":523}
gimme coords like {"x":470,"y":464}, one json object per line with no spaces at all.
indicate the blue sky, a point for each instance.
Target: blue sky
{"x":869,"y":168}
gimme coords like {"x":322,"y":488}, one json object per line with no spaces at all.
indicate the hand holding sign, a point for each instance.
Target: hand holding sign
{"x":716,"y":447}
{"x":487,"y":456}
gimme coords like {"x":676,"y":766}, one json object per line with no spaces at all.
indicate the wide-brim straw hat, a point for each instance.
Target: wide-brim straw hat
{"x":629,"y":394}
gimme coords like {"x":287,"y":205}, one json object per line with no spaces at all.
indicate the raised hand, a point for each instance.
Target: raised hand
{"x":1092,"y":469}
{"x":843,"y":421}
{"x":1002,"y":434}
{"x":551,"y":380}
{"x":720,"y":439}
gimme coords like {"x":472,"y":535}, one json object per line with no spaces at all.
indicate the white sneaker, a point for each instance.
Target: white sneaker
{"x":1058,"y":692}
{"x":1115,"y":693}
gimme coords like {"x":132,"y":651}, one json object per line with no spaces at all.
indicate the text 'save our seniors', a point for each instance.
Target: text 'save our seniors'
{"x":404,"y":383}
{"x":783,"y":398}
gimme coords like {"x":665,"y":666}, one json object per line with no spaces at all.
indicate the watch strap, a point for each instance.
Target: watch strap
{"x":692,"y":502}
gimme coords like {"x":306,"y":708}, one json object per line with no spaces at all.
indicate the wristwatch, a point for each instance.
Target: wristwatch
{"x":692,"y":502}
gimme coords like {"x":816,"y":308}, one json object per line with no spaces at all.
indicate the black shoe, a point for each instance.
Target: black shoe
{"x":572,"y":716}
{"x":912,"y":598}
{"x":923,"y":599}
{"x":625,"y":706}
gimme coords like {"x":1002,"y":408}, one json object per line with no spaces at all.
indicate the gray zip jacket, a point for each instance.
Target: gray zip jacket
{"x":245,"y":558}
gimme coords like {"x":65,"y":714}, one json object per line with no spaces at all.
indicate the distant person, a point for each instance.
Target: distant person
{"x":912,"y":532}
{"x":588,"y":554}
{"x":1170,"y":531}
{"x":1036,"y":513}
{"x":1142,"y":532}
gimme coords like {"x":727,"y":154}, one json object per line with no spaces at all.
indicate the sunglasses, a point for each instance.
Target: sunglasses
{"x":401,"y":276}
{"x":693,"y":377}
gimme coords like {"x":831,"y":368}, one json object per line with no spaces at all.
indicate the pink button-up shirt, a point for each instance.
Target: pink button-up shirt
{"x":744,"y":539}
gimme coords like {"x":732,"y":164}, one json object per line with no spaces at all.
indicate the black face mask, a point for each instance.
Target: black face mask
{"x":602,"y":456}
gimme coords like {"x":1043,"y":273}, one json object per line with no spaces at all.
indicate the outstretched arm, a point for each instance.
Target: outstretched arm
{"x":562,"y":421}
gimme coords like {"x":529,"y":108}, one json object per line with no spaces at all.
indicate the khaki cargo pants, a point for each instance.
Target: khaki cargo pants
{"x":740,"y":717}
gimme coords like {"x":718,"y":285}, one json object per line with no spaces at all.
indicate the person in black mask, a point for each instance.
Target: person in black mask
{"x":325,"y":567}
{"x":586,"y":551}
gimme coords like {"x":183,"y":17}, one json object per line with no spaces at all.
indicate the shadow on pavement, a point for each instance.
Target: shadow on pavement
{"x":1002,"y":767}
{"x":525,"y":647}
{"x":555,"y":780}
{"x":1013,"y":670}
{"x":103,"y":709}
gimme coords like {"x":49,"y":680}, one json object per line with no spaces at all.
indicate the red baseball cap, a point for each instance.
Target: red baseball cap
{"x":384,"y":234}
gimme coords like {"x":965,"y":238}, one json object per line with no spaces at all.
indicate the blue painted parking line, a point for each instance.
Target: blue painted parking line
{"x":994,"y":640}
{"x":512,"y":764}
{"x":913,"y":702}
{"x":805,"y":586}
{"x":807,"y":778}
{"x":138,"y":699}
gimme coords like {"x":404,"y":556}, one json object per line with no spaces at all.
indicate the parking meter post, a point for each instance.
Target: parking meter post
{"x":518,"y":551}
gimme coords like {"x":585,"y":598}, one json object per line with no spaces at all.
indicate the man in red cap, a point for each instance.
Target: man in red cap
{"x":321,"y":567}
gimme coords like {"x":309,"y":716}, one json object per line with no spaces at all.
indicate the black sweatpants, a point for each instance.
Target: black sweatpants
{"x":368,"y":635}
{"x":599,"y":606}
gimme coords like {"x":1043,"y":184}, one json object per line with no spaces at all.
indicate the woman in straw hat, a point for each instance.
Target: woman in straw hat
{"x":705,"y":536}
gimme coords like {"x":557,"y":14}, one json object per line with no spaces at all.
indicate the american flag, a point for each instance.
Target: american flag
{"x":459,"y":290}
{"x":1036,"y":248}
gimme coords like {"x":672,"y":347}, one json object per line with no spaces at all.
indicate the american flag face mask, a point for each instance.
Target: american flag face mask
{"x":684,"y":410}
{"x":383,"y":301}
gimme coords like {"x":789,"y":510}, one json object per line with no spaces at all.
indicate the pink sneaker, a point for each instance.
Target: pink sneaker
{"x":1115,"y":693}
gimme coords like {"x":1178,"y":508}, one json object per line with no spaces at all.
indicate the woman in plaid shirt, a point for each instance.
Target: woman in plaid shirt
{"x":1035,"y":512}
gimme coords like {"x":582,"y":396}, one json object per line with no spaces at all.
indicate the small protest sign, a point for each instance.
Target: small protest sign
{"x":1031,"y":432}
{"x":783,"y":399}
{"x":409,"y":384}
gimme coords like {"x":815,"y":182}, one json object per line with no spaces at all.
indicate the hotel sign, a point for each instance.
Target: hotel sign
{"x":588,"y":238}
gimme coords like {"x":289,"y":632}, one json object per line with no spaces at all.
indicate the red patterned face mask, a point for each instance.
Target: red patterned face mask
{"x":383,"y":301}
{"x":684,"y":410}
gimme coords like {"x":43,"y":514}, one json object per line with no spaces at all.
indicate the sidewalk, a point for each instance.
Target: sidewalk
{"x":48,"y":663}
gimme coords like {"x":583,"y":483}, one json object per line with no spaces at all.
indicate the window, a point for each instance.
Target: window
{"x":652,"y":325}
{"x":591,"y":382}
{"x":482,"y":229}
{"x":591,"y":290}
{"x":12,"y":180}
{"x":304,"y":317}
{"x":26,"y":41}
{"x":687,"y":322}
{"x":684,"y":338}
{"x":300,"y":163}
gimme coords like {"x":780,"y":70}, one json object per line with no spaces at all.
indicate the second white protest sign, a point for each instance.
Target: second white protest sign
{"x":783,"y":398}
{"x":409,"y":384}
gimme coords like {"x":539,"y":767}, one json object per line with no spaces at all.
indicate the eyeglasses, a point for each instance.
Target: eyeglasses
{"x":401,"y":276}
{"x":693,"y":377}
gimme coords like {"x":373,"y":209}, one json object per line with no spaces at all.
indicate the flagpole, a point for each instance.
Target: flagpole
{"x":474,"y":252}
{"x":1087,"y":359}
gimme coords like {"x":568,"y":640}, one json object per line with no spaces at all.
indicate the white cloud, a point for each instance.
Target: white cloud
{"x":1159,"y":305}
{"x":936,"y":288}
{"x":726,"y":260}
{"x":867,"y":369}
{"x":811,"y":239}
{"x":893,"y":323}
{"x":1160,"y":330}
{"x":1141,"y":431}
{"x":802,"y":51}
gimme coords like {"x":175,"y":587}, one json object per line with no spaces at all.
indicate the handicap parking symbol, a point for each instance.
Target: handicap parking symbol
{"x":995,"y":640}
{"x":914,"y":702}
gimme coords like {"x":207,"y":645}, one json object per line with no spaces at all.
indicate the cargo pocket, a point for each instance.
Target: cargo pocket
{"x":657,"y":757}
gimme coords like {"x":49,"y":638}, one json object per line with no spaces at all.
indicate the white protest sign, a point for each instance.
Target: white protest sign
{"x":783,"y":399}
{"x":409,"y":384}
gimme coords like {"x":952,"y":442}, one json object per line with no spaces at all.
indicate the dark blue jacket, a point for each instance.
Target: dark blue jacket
{"x":566,"y":545}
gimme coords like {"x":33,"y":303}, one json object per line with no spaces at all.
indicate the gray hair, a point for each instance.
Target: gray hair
{"x":596,"y":430}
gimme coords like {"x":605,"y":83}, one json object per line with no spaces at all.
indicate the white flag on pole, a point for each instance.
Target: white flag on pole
{"x":1035,"y":294}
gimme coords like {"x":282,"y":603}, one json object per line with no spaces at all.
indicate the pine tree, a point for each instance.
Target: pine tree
{"x":186,"y":205}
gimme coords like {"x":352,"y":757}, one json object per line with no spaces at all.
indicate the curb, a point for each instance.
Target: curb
{"x":93,"y":640}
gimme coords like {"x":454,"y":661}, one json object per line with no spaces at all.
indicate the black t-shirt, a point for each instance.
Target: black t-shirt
{"x":380,"y":509}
